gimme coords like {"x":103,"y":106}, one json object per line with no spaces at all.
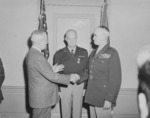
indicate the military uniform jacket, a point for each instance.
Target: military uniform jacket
{"x":104,"y":77}
{"x":73,"y":63}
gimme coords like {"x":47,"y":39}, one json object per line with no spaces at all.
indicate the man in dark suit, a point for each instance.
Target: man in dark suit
{"x":104,"y":76}
{"x":74,"y":59}
{"x":2,"y":77}
{"x":43,"y":92}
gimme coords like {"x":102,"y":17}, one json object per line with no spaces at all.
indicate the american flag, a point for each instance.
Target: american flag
{"x":43,"y":25}
{"x":104,"y":15}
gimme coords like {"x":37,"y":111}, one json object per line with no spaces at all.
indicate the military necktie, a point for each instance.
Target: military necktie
{"x":72,"y":52}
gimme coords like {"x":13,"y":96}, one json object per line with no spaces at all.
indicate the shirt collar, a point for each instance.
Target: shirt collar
{"x":36,"y":48}
{"x":74,"y":49}
{"x":105,"y":47}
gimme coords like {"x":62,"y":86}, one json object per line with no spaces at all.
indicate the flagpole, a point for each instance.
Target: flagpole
{"x":43,"y":25}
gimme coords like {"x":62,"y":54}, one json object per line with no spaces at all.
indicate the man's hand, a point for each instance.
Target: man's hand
{"x":107,"y":105}
{"x":57,"y":68}
{"x":74,"y":78}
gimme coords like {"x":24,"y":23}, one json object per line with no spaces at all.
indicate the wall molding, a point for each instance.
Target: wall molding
{"x":128,"y":91}
{"x":126,"y":116}
{"x":18,"y":89}
{"x":76,"y":3}
{"x":14,"y":104}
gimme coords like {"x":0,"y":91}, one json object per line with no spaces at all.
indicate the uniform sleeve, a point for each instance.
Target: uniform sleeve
{"x":45,"y":69}
{"x":84,"y":75}
{"x":114,"y":78}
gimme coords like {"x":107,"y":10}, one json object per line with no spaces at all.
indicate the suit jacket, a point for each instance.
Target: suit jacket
{"x":104,"y":77}
{"x":43,"y":90}
{"x":74,"y":63}
{"x":2,"y":76}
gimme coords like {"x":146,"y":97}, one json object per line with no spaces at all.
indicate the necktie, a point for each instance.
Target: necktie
{"x":72,"y":52}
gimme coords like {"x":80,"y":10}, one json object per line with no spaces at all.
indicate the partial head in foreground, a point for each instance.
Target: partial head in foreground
{"x":143,"y":63}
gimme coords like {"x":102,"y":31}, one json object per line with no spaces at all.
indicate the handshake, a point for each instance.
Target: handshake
{"x":74,"y":78}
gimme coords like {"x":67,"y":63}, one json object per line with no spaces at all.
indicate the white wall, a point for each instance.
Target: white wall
{"x":18,"y":18}
{"x":130,"y":30}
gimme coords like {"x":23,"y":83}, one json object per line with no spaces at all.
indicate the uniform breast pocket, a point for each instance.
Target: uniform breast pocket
{"x":65,"y":58}
{"x":80,"y":59}
{"x":103,"y":64}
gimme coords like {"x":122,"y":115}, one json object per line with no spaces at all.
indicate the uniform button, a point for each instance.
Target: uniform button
{"x":104,"y":85}
{"x":102,"y":61}
{"x":90,"y":71}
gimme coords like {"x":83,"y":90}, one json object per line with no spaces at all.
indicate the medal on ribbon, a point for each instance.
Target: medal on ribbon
{"x":78,"y":60}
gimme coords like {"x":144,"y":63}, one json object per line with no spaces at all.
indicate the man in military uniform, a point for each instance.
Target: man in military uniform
{"x":104,"y":76}
{"x":74,"y":59}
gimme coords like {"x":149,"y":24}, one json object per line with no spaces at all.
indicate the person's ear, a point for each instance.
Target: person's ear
{"x":66,"y":39}
{"x":143,"y":105}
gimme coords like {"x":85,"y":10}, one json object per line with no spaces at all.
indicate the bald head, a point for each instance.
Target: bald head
{"x":102,"y":30}
{"x":37,"y":35}
{"x":71,"y":37}
{"x":71,"y":33}
{"x":101,"y":36}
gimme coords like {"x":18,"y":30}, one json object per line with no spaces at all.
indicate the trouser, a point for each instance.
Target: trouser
{"x":41,"y":112}
{"x":96,"y":112}
{"x":71,"y":101}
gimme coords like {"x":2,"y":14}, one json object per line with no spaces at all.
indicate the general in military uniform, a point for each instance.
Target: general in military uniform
{"x":104,"y":76}
{"x":75,"y":60}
